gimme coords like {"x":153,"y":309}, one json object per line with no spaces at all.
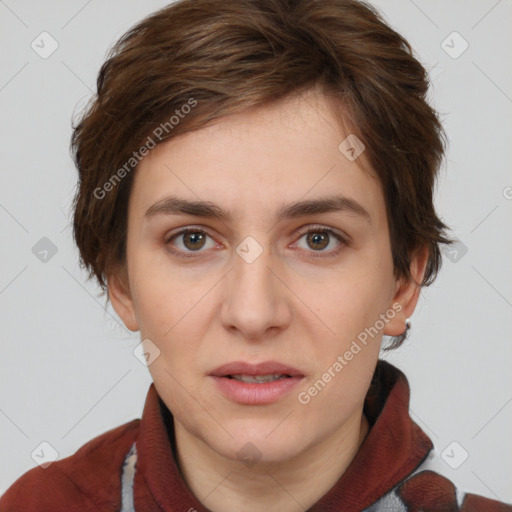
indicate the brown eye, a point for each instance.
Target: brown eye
{"x":317,"y":240}
{"x":190,"y":242}
{"x":193,"y":240}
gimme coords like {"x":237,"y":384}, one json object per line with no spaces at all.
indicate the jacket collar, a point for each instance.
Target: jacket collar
{"x":392,"y":449}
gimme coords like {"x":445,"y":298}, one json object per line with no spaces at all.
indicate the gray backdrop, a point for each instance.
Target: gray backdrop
{"x":68,"y":372}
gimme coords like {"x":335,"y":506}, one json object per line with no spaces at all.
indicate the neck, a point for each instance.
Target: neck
{"x":223,"y":484}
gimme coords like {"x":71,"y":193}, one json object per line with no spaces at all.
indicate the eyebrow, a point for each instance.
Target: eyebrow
{"x":173,"y":205}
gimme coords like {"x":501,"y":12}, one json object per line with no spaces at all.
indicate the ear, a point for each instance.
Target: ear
{"x":407,"y":293}
{"x":120,"y":297}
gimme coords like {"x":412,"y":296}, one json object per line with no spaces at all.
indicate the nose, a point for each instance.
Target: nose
{"x":256,"y":300}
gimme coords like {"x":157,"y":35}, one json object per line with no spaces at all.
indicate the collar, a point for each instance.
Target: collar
{"x":393,"y":448}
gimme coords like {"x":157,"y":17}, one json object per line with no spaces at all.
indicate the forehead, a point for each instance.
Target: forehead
{"x":258,"y":161}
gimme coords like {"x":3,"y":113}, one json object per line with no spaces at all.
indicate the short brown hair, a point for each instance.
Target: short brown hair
{"x":221,"y":57}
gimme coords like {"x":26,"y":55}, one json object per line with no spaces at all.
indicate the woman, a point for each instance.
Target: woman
{"x":256,"y":198}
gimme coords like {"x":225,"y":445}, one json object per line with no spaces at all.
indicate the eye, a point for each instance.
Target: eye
{"x":190,"y":240}
{"x":318,"y":238}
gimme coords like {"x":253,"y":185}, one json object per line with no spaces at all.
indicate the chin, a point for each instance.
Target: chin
{"x":261,"y":442}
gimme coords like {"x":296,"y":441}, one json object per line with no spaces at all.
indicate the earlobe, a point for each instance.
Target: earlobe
{"x":407,"y":294}
{"x":121,"y":300}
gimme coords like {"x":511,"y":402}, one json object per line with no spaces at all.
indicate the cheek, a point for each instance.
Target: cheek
{"x":171,"y":311}
{"x":161,"y":294}
{"x":350,"y":305}
{"x":353,"y":299}
{"x":345,"y":360}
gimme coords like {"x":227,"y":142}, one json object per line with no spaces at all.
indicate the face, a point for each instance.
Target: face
{"x":254,"y":286}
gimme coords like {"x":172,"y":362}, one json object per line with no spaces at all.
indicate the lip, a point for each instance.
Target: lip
{"x":248,"y":393}
{"x":264,"y":368}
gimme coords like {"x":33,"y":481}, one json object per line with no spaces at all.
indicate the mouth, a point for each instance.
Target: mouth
{"x":258,"y":379}
{"x":261,"y":372}
{"x":256,"y":384}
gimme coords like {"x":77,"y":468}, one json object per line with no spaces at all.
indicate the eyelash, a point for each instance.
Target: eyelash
{"x":312,"y":229}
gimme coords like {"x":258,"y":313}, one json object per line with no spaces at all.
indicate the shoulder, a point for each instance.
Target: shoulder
{"x":431,"y":488}
{"x":431,"y":491}
{"x":90,"y":477}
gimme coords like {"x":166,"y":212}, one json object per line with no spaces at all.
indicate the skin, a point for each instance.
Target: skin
{"x":287,"y":305}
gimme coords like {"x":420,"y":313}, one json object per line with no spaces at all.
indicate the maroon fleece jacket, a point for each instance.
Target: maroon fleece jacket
{"x":391,"y":472}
